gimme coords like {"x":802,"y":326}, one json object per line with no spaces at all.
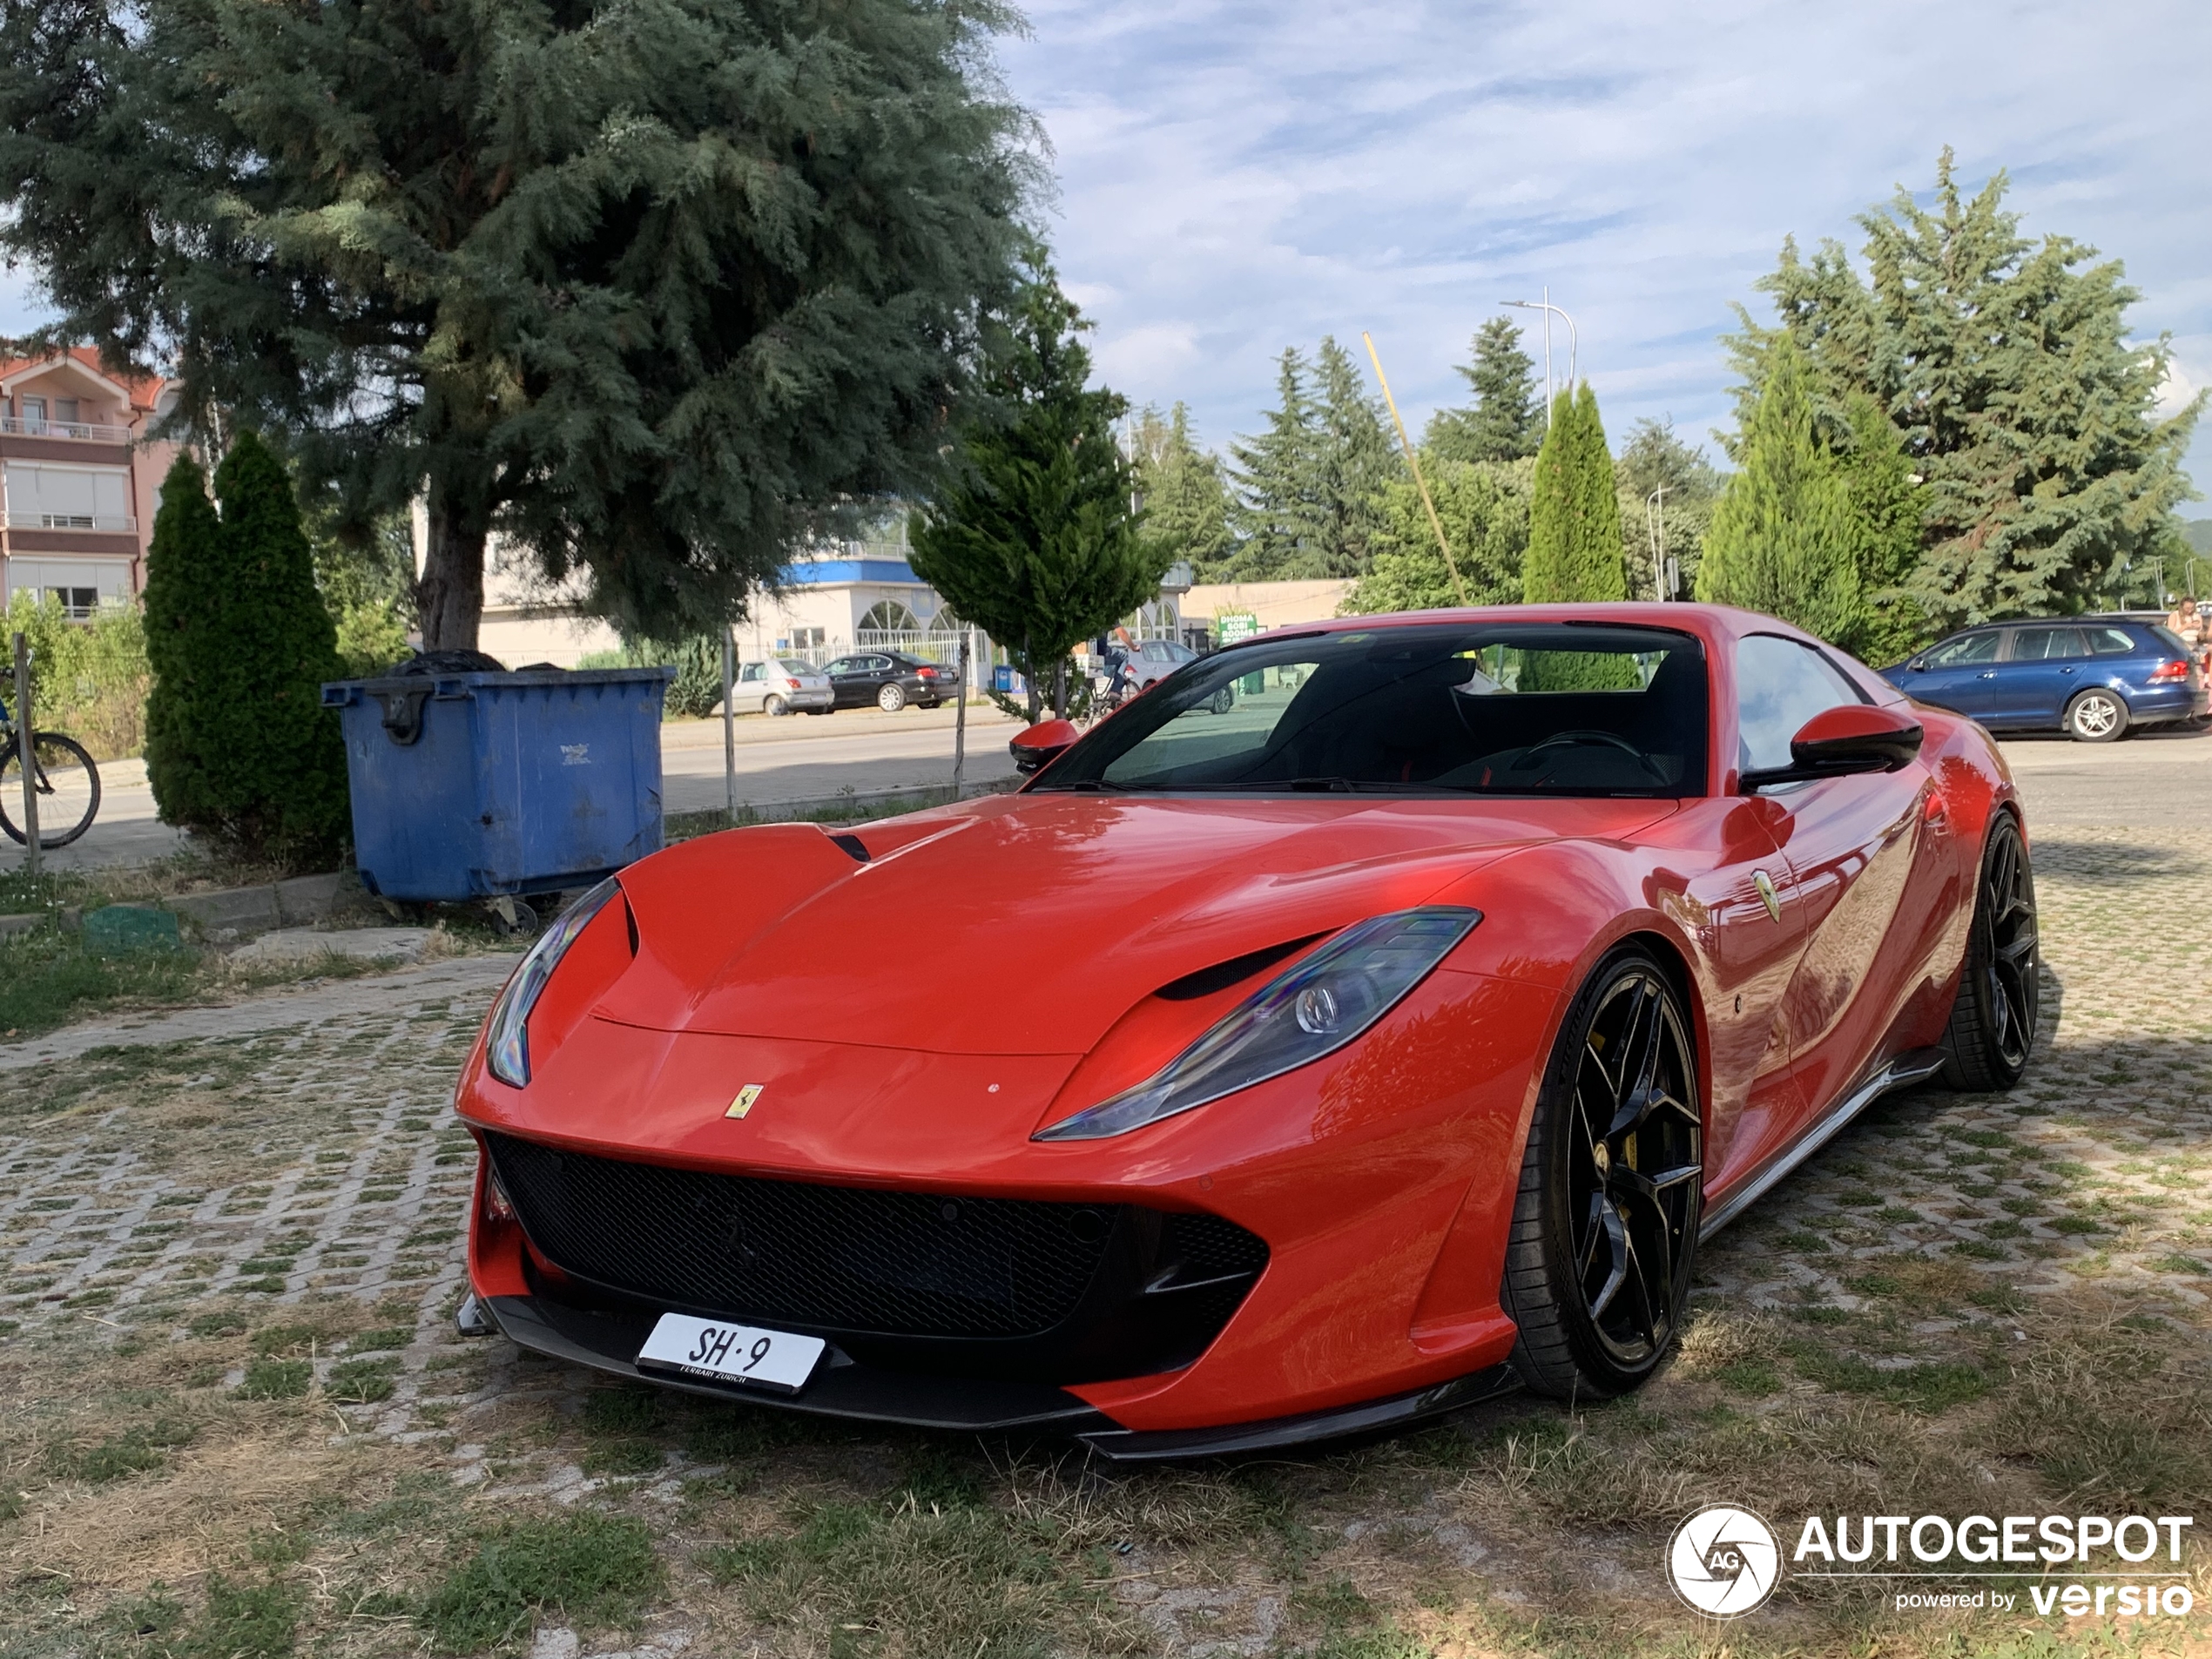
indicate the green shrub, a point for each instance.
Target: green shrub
{"x":238,"y":745}
{"x":696,"y":688}
{"x":88,"y":679}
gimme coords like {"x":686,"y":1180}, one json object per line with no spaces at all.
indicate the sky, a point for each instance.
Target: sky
{"x":1235,"y":177}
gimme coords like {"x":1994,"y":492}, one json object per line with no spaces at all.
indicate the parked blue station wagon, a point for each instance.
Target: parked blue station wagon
{"x":2093,"y":678}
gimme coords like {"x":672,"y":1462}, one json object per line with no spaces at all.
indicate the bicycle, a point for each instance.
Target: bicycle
{"x":61,"y":771}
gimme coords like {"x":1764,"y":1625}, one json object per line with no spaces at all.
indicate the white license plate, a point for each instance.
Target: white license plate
{"x":727,"y":1352}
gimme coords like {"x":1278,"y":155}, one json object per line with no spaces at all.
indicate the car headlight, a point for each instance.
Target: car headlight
{"x":507,"y":1047}
{"x":1311,"y":1010}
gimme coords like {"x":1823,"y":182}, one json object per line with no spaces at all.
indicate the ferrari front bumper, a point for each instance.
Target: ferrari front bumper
{"x":845,"y":1389}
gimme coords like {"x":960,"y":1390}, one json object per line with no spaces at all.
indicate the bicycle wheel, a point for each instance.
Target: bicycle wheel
{"x":68,"y":785}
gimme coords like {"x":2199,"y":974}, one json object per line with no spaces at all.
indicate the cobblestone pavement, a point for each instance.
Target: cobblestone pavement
{"x":231,"y":1243}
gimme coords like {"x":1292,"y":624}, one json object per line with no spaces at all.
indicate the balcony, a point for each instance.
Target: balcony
{"x":85,"y":431}
{"x":111,"y":523}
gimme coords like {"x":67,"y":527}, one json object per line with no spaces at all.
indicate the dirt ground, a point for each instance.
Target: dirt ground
{"x":236,"y":1422}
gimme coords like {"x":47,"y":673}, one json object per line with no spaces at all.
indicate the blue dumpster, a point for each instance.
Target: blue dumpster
{"x":480,"y":785}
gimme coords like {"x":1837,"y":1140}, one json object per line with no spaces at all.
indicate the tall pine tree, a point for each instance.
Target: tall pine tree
{"x":1506,"y":421}
{"x":647,"y":287}
{"x":1785,"y":539}
{"x":1278,"y":509}
{"x":1185,"y":496}
{"x":1666,"y":486}
{"x":1031,"y":538}
{"x":1355,"y":459}
{"x":1574,"y":550}
{"x":2004,"y":368}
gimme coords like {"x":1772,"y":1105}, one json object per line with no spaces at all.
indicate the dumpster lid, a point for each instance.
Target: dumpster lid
{"x":444,"y":686}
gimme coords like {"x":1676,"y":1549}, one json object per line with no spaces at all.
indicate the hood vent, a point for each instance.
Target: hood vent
{"x":1222,"y":975}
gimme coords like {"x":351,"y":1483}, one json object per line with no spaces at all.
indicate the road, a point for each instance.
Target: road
{"x":780,"y":762}
{"x":2153,"y":779}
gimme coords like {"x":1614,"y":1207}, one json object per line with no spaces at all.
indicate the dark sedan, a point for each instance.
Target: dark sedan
{"x":2092,"y":678}
{"x":890,"y":680}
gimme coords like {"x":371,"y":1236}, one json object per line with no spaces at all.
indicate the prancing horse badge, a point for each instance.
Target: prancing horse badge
{"x":1760,"y":880}
{"x":743,"y":1103}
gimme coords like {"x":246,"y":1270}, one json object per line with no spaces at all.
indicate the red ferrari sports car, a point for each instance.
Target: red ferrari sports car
{"x":1369,"y":1017}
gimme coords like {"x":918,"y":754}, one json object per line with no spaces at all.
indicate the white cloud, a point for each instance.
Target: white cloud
{"x":1242,"y":177}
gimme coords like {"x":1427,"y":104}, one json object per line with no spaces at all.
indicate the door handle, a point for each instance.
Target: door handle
{"x":1987,"y":674}
{"x":2065,"y":671}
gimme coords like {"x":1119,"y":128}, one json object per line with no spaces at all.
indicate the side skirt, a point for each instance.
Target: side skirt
{"x":1901,"y":1073}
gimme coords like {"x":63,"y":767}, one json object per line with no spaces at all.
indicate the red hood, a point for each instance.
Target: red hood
{"x":1028,"y":924}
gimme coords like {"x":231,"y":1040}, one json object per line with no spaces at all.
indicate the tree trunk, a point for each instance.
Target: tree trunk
{"x":449,"y":595}
{"x":1059,"y":689}
{"x":1029,"y":682}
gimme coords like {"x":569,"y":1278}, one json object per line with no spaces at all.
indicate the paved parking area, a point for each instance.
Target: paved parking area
{"x":1965,"y":1303}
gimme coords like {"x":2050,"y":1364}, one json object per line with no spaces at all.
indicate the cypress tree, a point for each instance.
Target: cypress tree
{"x":1506,"y":422}
{"x":1573,"y":511}
{"x":239,"y":746}
{"x":1785,"y":539}
{"x":1032,"y":537}
{"x":185,"y":588}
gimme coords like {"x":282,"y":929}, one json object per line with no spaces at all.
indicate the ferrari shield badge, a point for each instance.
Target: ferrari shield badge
{"x":743,"y":1103}
{"x":1760,"y":880}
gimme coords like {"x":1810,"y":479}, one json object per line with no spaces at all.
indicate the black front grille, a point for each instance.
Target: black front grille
{"x":866,"y":1261}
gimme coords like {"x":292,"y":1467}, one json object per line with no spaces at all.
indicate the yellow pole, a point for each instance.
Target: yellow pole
{"x":1414,"y":461}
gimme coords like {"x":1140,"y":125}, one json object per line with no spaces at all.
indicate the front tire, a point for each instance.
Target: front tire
{"x":2096,"y":716}
{"x":68,"y":785}
{"x":892,"y":697}
{"x":1604,"y":1232}
{"x":2001,"y":994}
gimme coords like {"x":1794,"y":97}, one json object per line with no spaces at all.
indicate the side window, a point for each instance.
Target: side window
{"x":2046,"y":645}
{"x":2111,"y":642}
{"x":1967,"y":648}
{"x":1779,"y":686}
{"x":750,"y":671}
{"x":842,"y":665}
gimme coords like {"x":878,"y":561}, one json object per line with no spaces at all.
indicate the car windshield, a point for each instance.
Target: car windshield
{"x":1490,"y":708}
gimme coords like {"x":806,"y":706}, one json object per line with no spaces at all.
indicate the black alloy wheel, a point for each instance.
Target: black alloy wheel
{"x":1612,"y":1188}
{"x":2000,"y":984}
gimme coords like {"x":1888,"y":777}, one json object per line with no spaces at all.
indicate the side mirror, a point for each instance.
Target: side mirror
{"x":1918,"y":665}
{"x":1040,"y":744}
{"x":1859,"y":737}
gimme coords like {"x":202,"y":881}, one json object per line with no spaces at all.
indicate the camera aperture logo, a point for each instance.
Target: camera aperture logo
{"x":1725,"y":1562}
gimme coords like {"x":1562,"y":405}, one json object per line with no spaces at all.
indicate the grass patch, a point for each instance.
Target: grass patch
{"x":591,"y":1568}
{"x":47,"y":978}
{"x":361,"y":1382}
{"x":384,"y":1337}
{"x":276,"y":1379}
{"x":133,"y":1452}
{"x":244,"y":1621}
{"x":917,"y":1578}
{"x":1931,"y":1387}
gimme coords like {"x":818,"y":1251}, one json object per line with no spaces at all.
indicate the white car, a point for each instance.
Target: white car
{"x":1155,"y":659}
{"x":785,"y":687}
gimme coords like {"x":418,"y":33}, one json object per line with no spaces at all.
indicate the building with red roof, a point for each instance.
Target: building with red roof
{"x":79,"y":476}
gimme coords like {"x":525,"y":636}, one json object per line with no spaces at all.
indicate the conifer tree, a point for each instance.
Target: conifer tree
{"x":1185,"y":496}
{"x":1484,"y":508}
{"x":2004,"y":368}
{"x":1278,"y":509}
{"x":185,"y":588}
{"x":1356,"y":461}
{"x":1660,"y":477}
{"x":647,"y":287}
{"x":1506,"y":421}
{"x":1574,"y":513}
{"x":243,"y":749}
{"x":1031,"y":537}
{"x":1785,"y":539}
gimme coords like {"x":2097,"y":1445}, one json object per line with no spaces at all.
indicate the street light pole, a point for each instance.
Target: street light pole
{"x":1574,"y":345}
{"x":1654,"y":515}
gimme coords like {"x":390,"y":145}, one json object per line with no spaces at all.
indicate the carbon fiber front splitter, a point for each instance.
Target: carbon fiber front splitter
{"x":844,"y":1388}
